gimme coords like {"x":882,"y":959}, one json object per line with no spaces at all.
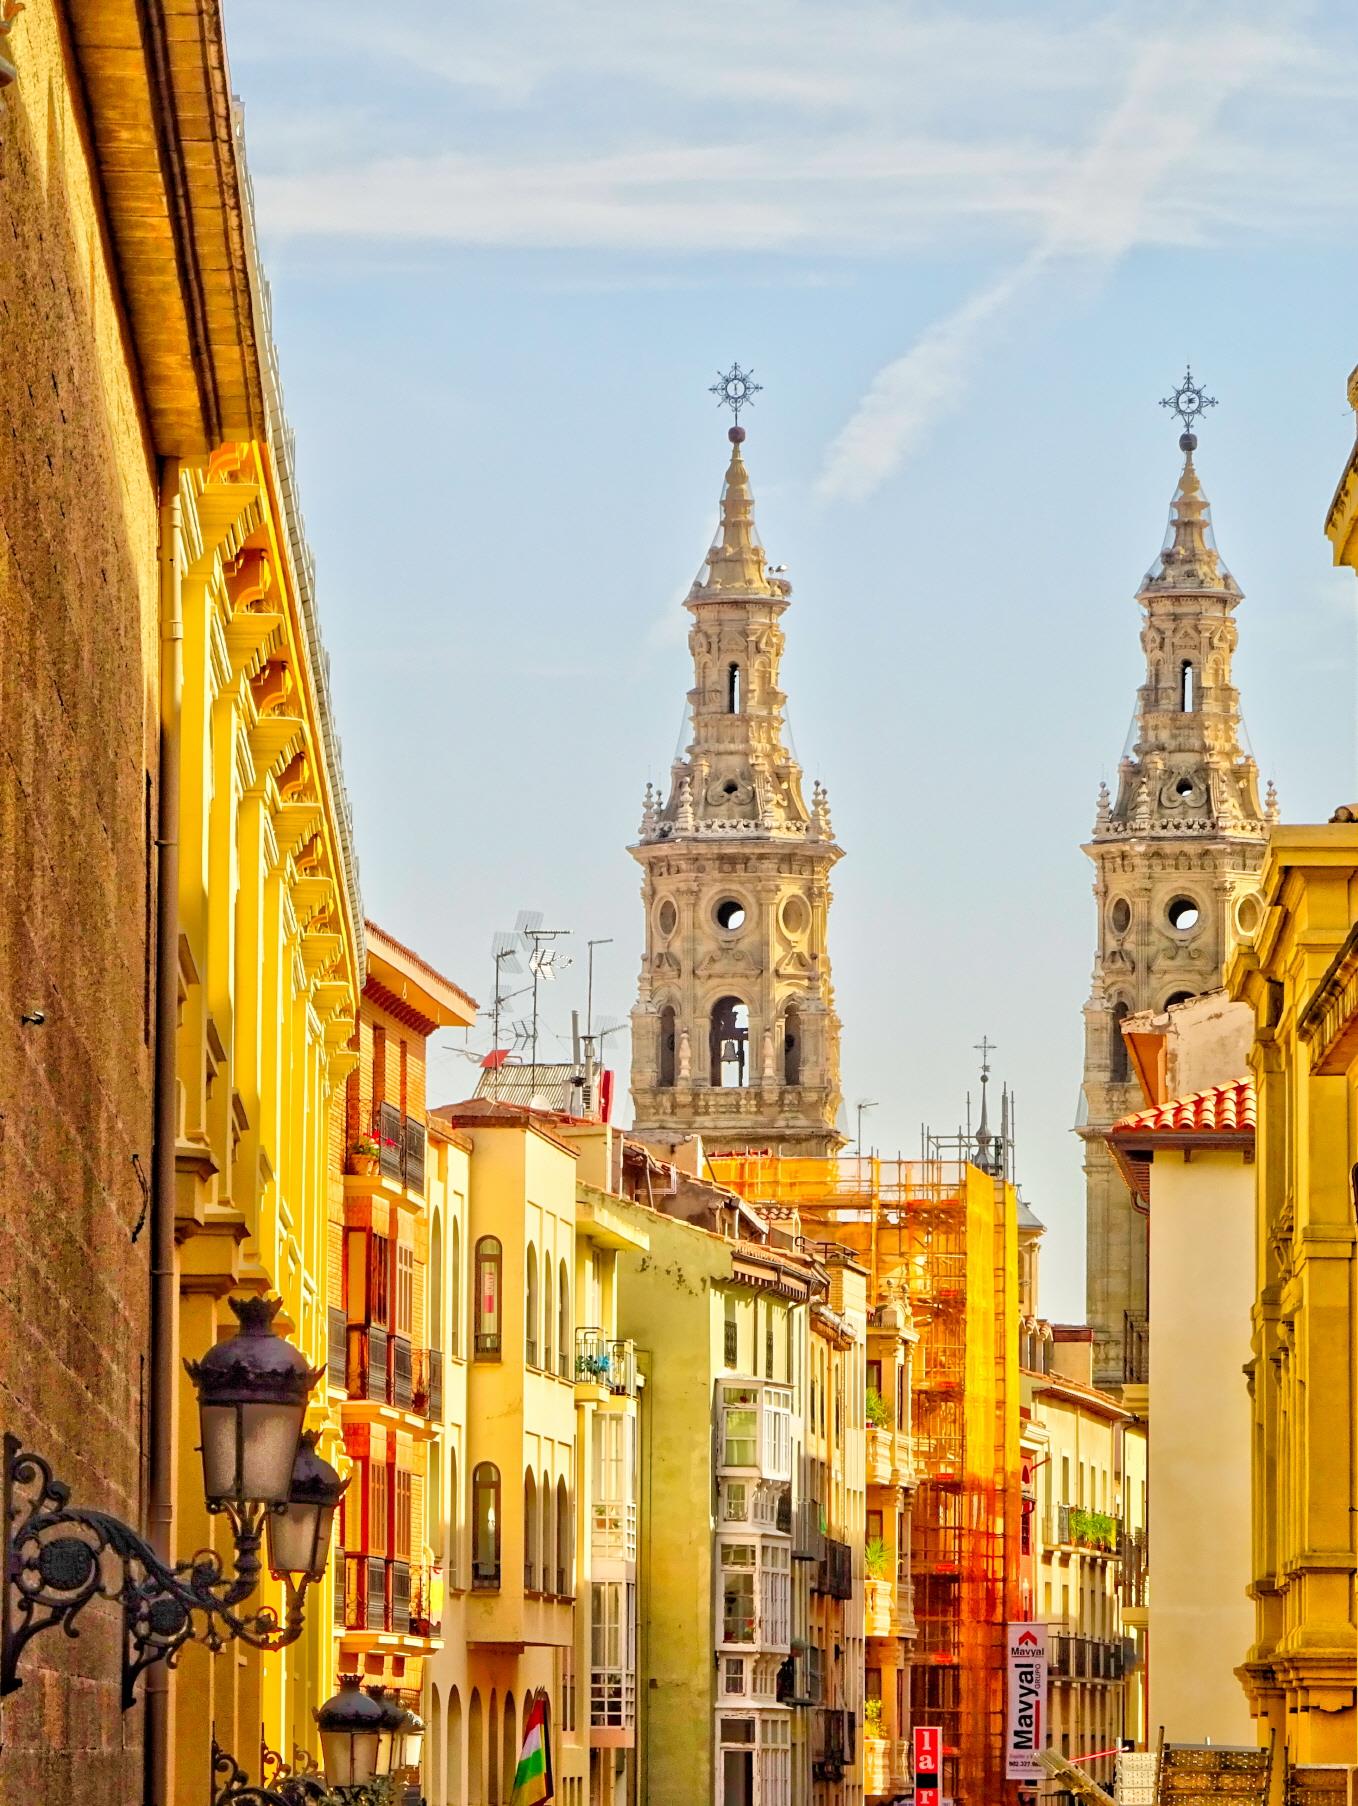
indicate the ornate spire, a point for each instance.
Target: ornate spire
{"x":736,"y":565}
{"x":1189,"y":559}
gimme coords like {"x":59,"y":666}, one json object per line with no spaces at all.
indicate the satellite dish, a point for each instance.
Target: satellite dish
{"x":538,"y":1102}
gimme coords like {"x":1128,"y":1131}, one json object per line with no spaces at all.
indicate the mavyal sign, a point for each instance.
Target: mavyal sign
{"x":928,"y":1762}
{"x":1025,"y":1726}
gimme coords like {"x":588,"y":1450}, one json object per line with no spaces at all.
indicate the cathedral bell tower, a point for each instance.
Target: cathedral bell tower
{"x":1173,"y":851}
{"x":734,"y":1033}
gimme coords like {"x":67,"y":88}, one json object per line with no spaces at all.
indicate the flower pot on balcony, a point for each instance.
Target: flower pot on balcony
{"x":877,"y":1608}
{"x":364,"y":1165}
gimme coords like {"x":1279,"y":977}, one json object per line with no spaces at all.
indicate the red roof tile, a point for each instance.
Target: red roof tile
{"x":1222,"y":1110}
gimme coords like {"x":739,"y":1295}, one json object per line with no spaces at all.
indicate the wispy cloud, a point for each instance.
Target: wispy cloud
{"x":1142,"y":178}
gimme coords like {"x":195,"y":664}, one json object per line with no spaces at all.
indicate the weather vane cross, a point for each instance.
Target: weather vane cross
{"x":735,"y":390}
{"x":1189,"y":400}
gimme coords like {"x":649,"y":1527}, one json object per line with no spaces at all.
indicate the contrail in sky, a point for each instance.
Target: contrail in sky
{"x":1174,"y":94}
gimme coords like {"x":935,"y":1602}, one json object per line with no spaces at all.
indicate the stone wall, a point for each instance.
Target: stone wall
{"x":78,"y":585}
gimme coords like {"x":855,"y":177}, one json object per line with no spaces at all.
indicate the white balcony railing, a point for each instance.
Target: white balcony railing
{"x":615,"y":1531}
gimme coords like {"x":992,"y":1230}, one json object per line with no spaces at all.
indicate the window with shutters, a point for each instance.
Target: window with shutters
{"x":377,"y":1508}
{"x":379,"y":1280}
{"x":401,"y":1539}
{"x":405,"y":1290}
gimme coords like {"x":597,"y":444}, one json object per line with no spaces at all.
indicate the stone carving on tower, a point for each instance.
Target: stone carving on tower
{"x":734,"y":1033}
{"x":1173,"y":851}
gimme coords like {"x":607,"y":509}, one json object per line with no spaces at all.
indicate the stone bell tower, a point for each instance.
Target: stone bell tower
{"x":1173,"y":852}
{"x":734,"y":1033}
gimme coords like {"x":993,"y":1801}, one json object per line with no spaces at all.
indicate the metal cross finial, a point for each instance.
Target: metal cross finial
{"x":985,"y":1047}
{"x":1189,"y":400}
{"x":735,"y":390}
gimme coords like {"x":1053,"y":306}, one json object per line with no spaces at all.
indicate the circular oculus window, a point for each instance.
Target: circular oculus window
{"x":1249,"y":912}
{"x":667,"y":917}
{"x":730,"y":914}
{"x":1184,"y":915}
{"x":1120,"y":915}
{"x":795,"y":915}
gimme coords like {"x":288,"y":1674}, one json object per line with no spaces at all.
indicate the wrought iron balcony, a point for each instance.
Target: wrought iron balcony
{"x":427,"y":1383}
{"x":1086,"y":1658}
{"x":604,"y":1361}
{"x":808,"y":1539}
{"x":401,"y":1142}
{"x":385,"y":1369}
{"x":375,"y":1593}
{"x":834,"y":1572}
{"x":337,"y":1350}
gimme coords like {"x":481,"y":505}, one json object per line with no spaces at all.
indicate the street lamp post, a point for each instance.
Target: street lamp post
{"x":257,"y":1468}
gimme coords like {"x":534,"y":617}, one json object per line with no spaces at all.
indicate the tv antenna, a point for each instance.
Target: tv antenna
{"x":505,"y":949}
{"x":542,"y":963}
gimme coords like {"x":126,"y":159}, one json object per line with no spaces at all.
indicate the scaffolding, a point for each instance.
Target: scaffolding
{"x":942,"y":1230}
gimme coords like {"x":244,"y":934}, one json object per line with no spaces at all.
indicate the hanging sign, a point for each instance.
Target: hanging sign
{"x":928,"y":1762}
{"x":1025,"y":1729}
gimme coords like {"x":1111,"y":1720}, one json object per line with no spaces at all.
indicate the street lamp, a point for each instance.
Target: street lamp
{"x":299,"y":1535}
{"x":392,"y":1737}
{"x":350,"y":1724}
{"x":252,"y":1394}
{"x":412,"y":1745}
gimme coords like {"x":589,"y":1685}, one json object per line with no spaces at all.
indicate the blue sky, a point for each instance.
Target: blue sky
{"x":965,"y":248}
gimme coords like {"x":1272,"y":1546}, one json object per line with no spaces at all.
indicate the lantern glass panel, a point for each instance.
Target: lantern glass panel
{"x":220,"y":1428}
{"x":271,"y":1434}
{"x":350,"y":1757}
{"x":299,"y":1541}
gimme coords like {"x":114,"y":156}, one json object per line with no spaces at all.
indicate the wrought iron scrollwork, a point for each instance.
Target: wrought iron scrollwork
{"x":231,"y":1786}
{"x":61,"y":1556}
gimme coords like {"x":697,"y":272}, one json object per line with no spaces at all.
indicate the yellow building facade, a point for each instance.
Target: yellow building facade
{"x":1297,"y":967}
{"x":536,"y":1525}
{"x":269,"y":957}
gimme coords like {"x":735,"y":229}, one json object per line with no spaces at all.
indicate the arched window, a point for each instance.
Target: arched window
{"x":453,"y":1767}
{"x":510,"y":1764}
{"x":436,"y":1283}
{"x":1119,"y":1071}
{"x":436,"y":1741}
{"x":548,"y":1537}
{"x":728,"y":1041}
{"x":489,"y":1267}
{"x":1188,"y":693}
{"x":455,"y":1294}
{"x":492,"y":1793}
{"x":476,"y":1752}
{"x":792,"y":1046}
{"x":565,"y":1364}
{"x":667,"y":1045}
{"x":454,"y":1524}
{"x":486,"y":1527}
{"x":530,"y":1309}
{"x":733,"y":689}
{"x":530,"y":1532}
{"x":547,"y":1324}
{"x":564,"y":1578}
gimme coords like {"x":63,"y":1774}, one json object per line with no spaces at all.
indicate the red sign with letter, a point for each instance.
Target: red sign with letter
{"x":928,"y":1761}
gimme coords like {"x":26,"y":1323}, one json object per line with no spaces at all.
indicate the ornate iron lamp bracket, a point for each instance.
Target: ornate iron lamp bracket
{"x":231,"y":1786}
{"x":59,"y":1557}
